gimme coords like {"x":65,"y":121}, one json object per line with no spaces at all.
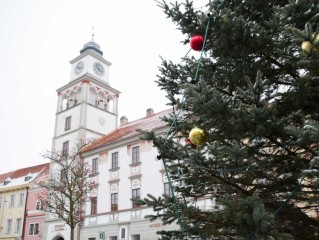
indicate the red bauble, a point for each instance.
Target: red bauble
{"x":190,"y":142}
{"x":197,"y":42}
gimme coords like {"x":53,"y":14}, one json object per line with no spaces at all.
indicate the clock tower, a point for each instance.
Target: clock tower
{"x":87,"y":106}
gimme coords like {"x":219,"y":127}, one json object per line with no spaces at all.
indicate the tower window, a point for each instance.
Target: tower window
{"x":67,"y":123}
{"x":65,"y":148}
{"x":63,"y":175}
{"x":135,"y":154}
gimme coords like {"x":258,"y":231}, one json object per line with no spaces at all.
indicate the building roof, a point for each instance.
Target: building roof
{"x":18,"y":177}
{"x":152,"y":122}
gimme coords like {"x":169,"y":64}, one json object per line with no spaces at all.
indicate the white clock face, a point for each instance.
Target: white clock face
{"x":79,"y":67}
{"x":98,"y":69}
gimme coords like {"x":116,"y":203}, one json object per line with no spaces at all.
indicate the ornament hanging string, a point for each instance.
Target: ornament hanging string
{"x":168,"y":132}
{"x":284,"y":204}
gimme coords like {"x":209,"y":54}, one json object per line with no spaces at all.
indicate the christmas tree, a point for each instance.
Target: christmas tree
{"x":250,"y":100}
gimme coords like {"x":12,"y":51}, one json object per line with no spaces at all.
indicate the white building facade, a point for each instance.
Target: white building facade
{"x":123,"y":166}
{"x":87,"y":108}
{"x":127,"y":168}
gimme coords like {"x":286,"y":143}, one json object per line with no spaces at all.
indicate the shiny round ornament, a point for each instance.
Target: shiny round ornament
{"x":189,"y":79}
{"x":198,"y":136}
{"x":306,"y":47}
{"x":197,"y":42}
{"x":315,"y":38}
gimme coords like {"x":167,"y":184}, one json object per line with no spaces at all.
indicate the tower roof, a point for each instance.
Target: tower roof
{"x":92,"y":46}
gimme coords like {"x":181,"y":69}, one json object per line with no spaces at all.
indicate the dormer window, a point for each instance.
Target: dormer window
{"x":27,"y":178}
{"x":7,"y":181}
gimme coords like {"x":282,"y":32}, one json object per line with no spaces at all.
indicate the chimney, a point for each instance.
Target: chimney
{"x":149,"y":112}
{"x":123,"y":120}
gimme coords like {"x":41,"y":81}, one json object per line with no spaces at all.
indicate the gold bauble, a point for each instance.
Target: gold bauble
{"x":198,"y":136}
{"x":315,"y":38}
{"x":306,"y":47}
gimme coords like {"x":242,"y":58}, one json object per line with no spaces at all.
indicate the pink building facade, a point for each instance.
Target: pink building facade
{"x":35,"y":216}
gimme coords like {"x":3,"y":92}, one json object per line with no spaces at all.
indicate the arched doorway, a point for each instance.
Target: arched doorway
{"x":58,"y":238}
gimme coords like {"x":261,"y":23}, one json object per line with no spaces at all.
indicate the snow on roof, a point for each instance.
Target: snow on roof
{"x":22,"y":176}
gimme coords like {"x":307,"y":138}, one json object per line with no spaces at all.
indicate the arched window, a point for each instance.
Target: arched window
{"x":72,"y":99}
{"x":64,"y":103}
{"x":101,"y":100}
{"x":110,"y":104}
{"x":78,"y":96}
{"x":92,"y":96}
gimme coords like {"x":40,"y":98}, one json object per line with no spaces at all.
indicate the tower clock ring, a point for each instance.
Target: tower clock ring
{"x":98,"y":69}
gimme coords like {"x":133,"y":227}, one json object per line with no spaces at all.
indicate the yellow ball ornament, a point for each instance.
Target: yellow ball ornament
{"x":306,"y":47}
{"x":198,"y":136}
{"x":315,"y":38}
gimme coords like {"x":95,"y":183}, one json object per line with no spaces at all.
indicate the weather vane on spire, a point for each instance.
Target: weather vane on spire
{"x":93,"y":34}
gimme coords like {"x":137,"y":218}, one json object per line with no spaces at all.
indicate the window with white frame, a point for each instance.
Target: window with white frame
{"x":67,"y":125}
{"x":39,"y":205}
{"x":34,"y":229}
{"x":21,"y":199}
{"x":65,"y":148}
{"x":115,"y":160}
{"x":123,"y":232}
{"x":8,"y":227}
{"x":93,"y":205}
{"x":95,"y":166}
{"x":136,"y":194}
{"x":63,"y":175}
{"x":135,"y":154}
{"x":18,"y":225}
{"x":114,"y":201}
{"x":11,"y":203}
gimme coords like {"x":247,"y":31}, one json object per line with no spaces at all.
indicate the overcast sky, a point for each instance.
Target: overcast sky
{"x":40,"y":37}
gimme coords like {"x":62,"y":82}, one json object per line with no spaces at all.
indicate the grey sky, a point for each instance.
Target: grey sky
{"x":40,"y":37}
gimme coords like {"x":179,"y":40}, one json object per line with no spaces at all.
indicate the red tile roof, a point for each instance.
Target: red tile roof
{"x":152,"y":122}
{"x":24,"y":171}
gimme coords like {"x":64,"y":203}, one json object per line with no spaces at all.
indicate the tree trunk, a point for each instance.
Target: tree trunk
{"x":72,"y":233}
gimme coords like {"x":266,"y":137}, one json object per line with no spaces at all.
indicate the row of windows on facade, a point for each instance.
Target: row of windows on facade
{"x":39,"y":204}
{"x":12,"y":200}
{"x":114,"y":201}
{"x":115,"y":160}
{"x":33,"y":227}
{"x":136,"y":194}
{"x":105,"y":104}
{"x":115,"y":157}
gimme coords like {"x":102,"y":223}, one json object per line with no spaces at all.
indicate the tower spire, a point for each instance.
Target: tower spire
{"x":93,"y":34}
